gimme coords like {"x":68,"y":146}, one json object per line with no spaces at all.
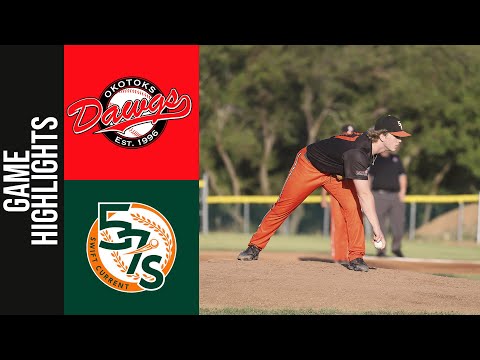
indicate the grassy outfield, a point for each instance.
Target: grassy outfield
{"x":452,"y":250}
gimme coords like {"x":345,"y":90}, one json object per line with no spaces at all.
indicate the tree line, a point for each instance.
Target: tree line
{"x":261,"y":103}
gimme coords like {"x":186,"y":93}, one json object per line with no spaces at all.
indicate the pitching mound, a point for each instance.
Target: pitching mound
{"x":309,"y":282}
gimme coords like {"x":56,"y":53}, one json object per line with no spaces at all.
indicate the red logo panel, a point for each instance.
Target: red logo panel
{"x":131,"y":112}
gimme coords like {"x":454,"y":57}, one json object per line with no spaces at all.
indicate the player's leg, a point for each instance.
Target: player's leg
{"x":382,"y":206}
{"x":301,"y":181}
{"x":345,"y":193}
{"x":397,"y":222}
{"x":338,"y":232}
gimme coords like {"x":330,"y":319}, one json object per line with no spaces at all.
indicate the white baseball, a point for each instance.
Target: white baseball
{"x":378,"y":244}
{"x":120,"y":97}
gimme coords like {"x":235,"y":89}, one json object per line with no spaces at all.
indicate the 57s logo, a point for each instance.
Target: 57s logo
{"x":131,"y":247}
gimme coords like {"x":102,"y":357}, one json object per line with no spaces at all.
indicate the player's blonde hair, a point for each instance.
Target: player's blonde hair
{"x":374,"y":135}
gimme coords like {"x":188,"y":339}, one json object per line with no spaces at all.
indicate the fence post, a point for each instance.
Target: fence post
{"x":412,"y":225}
{"x":246,"y":217}
{"x":205,"y":204}
{"x":285,"y":227}
{"x":478,"y":220}
{"x":461,"y":207}
{"x":326,"y":221}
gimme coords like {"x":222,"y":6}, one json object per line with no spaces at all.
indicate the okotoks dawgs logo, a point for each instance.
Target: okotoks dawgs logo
{"x":131,"y":112}
{"x":131,"y":246}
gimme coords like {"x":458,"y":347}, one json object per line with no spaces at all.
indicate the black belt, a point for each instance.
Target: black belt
{"x":386,"y":191}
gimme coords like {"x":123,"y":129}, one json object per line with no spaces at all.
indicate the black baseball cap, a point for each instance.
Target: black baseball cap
{"x":392,"y":124}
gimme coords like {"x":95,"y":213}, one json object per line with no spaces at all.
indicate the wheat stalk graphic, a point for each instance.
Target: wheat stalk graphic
{"x":121,"y":264}
{"x":165,"y":236}
{"x":106,"y":236}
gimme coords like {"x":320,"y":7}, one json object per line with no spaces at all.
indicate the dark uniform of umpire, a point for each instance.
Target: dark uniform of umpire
{"x":389,"y":185}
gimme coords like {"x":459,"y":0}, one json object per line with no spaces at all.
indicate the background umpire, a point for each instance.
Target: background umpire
{"x":389,"y":185}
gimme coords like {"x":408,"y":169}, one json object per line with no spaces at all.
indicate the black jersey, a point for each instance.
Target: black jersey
{"x":347,"y":155}
{"x":385,"y":173}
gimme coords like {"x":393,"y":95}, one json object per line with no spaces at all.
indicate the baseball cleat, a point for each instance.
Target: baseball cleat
{"x":250,"y":253}
{"x":398,"y":253}
{"x":358,"y":265}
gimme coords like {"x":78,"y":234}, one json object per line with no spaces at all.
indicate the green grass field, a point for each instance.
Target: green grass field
{"x":462,"y":250}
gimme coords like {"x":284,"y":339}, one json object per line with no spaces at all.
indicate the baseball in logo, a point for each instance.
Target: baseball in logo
{"x":131,"y":112}
{"x":131,"y":247}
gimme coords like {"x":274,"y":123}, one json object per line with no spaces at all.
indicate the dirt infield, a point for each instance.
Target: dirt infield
{"x":311,"y":281}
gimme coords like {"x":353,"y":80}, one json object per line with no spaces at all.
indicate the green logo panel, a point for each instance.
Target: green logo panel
{"x":131,"y":248}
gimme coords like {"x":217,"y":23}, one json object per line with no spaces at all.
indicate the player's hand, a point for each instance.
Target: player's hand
{"x":379,"y":237}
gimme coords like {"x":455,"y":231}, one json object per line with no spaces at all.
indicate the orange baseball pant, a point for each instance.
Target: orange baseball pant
{"x":338,"y":231}
{"x":301,"y":181}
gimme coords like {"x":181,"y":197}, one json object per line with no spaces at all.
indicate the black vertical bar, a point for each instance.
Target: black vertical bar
{"x":32,"y":87}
